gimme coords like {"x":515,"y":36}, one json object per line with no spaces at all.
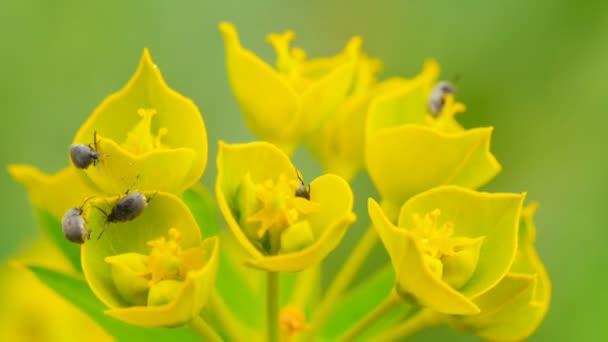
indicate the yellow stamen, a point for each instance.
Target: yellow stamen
{"x":451,"y":258}
{"x":280,"y":207}
{"x":140,"y":139}
{"x":167,"y":259}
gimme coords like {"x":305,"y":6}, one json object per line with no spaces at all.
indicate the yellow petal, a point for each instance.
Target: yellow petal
{"x":324,"y":96}
{"x":268,"y":103}
{"x":177,"y":115}
{"x":509,"y":312}
{"x":160,"y":170}
{"x":127,"y":271}
{"x":409,"y":159}
{"x":404,"y":103}
{"x":55,"y":193}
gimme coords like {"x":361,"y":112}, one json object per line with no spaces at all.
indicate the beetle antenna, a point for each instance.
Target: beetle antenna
{"x":95,"y":139}
{"x":132,"y":185}
{"x":103,"y":230}
{"x":298,"y":174}
{"x":85,"y":202}
{"x":102,"y":211}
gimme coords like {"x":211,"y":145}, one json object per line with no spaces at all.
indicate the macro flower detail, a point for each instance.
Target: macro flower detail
{"x":286,"y":104}
{"x":431,"y":150}
{"x":339,"y":143}
{"x":153,"y":271}
{"x":513,"y":309}
{"x":256,"y":191}
{"x":450,"y":245}
{"x":148,"y":130}
{"x":53,"y":193}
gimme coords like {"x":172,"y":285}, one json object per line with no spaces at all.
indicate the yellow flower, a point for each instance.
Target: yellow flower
{"x":153,"y":271}
{"x":256,"y":192}
{"x":33,"y":312}
{"x":513,"y":309}
{"x":339,"y":142}
{"x":409,"y":151}
{"x":451,"y":245}
{"x":54,"y":193}
{"x":146,"y":132}
{"x":286,"y":104}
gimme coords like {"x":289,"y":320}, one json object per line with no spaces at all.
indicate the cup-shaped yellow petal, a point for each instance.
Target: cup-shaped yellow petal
{"x":55,"y":193}
{"x":153,"y":131}
{"x":513,"y":309}
{"x":285,"y":104}
{"x":256,"y":191}
{"x":408,"y":101}
{"x":339,"y":143}
{"x":409,"y":159}
{"x":128,"y":252}
{"x":472,"y":234}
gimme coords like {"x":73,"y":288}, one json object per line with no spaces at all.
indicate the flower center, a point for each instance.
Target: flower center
{"x":280,"y":207}
{"x":435,"y":240}
{"x":140,"y":139}
{"x":450,"y":258}
{"x":163,"y":261}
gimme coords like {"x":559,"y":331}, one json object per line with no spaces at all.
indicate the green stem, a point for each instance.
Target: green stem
{"x":226,"y":320}
{"x":425,"y":318}
{"x":272,"y":306}
{"x":204,"y":330}
{"x":390,"y":303}
{"x":342,"y":280}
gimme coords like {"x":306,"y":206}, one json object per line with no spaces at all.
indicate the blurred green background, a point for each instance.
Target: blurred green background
{"x":536,"y":70}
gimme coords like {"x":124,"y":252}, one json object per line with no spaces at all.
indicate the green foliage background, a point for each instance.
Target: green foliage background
{"x":536,"y":70}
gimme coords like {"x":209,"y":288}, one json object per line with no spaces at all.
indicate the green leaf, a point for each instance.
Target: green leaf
{"x":358,"y":302}
{"x":52,"y":228}
{"x":202,"y":205}
{"x":76,"y":291}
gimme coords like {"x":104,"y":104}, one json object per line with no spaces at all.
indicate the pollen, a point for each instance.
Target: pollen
{"x":140,"y":139}
{"x":449,"y":257}
{"x":167,"y":259}
{"x":435,"y":239}
{"x":280,"y":208}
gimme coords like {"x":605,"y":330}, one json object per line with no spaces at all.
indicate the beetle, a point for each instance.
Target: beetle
{"x":436,"y":97}
{"x":74,"y":225}
{"x":126,"y":209}
{"x":83,"y":155}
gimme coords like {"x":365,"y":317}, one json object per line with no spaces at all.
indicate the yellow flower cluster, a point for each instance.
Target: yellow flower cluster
{"x":462,"y":257}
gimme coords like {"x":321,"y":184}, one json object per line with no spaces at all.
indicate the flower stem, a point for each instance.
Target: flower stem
{"x":425,"y":318}
{"x":342,"y":280}
{"x":390,"y":303}
{"x":272,"y":306}
{"x":204,"y":330}
{"x":226,"y":320}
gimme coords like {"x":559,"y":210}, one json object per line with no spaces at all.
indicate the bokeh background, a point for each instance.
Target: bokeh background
{"x":536,"y":70}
